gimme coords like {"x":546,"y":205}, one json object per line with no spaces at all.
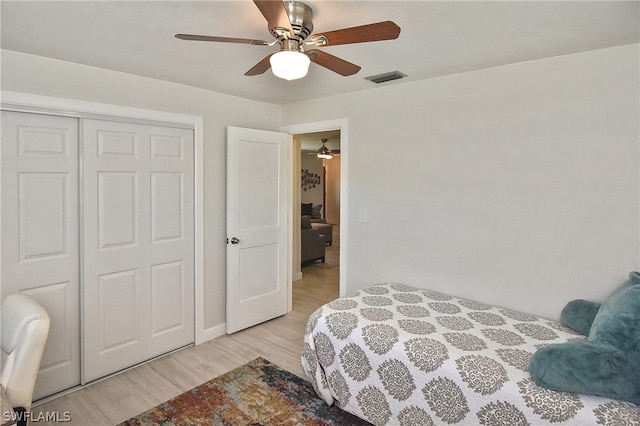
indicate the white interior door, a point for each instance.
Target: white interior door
{"x":139,"y":243}
{"x":40,"y":233}
{"x":258,"y":176}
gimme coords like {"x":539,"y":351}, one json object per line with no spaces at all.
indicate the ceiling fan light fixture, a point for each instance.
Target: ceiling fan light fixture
{"x":289,"y":65}
{"x":324,"y":152}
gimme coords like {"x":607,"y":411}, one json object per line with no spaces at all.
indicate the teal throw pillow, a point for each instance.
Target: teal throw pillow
{"x":608,"y":362}
{"x":579,"y":314}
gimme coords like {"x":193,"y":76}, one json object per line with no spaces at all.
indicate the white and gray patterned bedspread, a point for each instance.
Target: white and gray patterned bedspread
{"x":393,"y":354}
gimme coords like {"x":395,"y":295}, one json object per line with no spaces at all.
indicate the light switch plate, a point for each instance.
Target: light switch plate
{"x":363,"y":215}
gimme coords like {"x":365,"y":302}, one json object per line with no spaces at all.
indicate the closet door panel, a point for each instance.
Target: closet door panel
{"x":117,"y":209}
{"x":139,"y":255}
{"x":62,"y":351}
{"x":167,"y":292}
{"x":42,"y":230}
{"x":166,"y":206}
{"x":40,"y":233}
{"x":119,"y":296}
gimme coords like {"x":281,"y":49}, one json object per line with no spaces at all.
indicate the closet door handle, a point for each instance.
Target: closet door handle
{"x":235,"y":240}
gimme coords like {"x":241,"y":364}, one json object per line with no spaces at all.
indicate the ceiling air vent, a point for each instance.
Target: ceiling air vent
{"x":383,"y":78}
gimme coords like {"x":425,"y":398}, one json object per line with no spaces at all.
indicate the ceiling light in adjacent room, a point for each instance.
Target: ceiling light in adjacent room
{"x":324,"y":152}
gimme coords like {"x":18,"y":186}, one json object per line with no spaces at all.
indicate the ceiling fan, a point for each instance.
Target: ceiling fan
{"x":291,"y":24}
{"x":324,"y":152}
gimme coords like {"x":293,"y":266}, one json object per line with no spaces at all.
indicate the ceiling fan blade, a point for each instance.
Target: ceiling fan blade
{"x":275,"y":12}
{"x":333,"y":63}
{"x":221,"y":39}
{"x":386,"y":30}
{"x":260,"y":67}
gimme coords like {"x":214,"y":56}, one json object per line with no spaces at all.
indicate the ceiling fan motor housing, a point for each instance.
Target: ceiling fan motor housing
{"x":301,"y":18}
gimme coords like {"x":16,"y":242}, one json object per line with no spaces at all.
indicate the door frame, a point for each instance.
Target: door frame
{"x":341,"y":124}
{"x":48,"y":105}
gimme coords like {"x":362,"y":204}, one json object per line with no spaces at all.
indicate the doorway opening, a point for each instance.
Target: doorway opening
{"x":316,"y":190}
{"x":340,"y":232}
{"x":319,"y":198}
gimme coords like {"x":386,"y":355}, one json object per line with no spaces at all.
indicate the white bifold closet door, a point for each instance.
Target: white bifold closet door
{"x":138,"y":234}
{"x":97,"y":226}
{"x":40,"y":234}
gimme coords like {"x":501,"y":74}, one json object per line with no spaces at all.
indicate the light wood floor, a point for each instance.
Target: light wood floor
{"x":127,"y":394}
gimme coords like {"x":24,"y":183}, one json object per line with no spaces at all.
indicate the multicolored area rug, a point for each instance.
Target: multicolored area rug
{"x":257,"y":393}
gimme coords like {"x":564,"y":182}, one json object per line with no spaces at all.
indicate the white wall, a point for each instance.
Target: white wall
{"x":516,"y":185}
{"x":43,"y":76}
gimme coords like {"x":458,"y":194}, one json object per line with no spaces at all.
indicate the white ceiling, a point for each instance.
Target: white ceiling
{"x":437,"y":38}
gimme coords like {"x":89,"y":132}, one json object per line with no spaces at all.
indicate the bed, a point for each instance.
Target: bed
{"x":393,"y":354}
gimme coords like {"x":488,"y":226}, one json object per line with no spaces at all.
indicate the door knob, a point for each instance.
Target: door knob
{"x":235,"y":240}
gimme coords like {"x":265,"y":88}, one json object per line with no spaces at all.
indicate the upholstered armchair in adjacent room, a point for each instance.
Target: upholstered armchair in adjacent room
{"x":25,"y":328}
{"x":317,"y":221}
{"x":312,"y":242}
